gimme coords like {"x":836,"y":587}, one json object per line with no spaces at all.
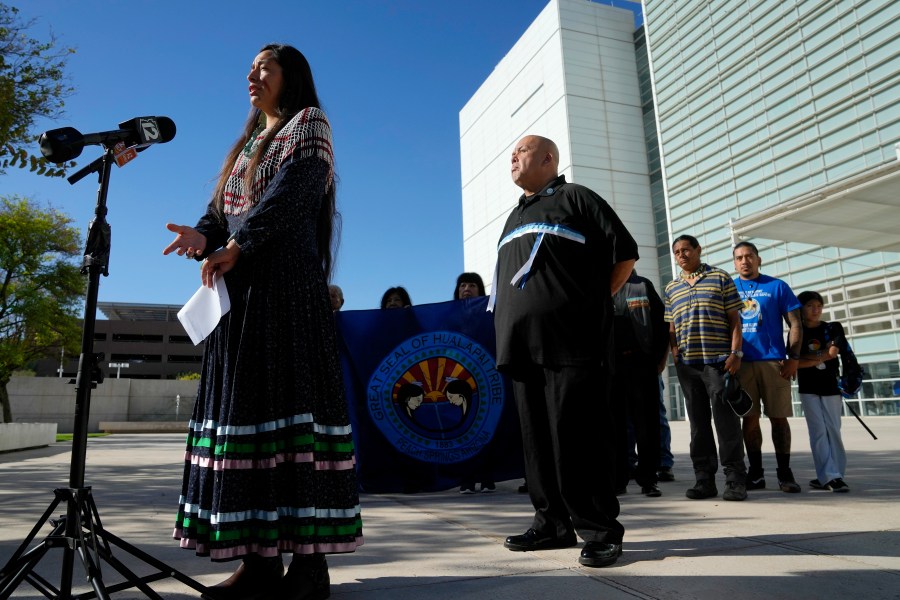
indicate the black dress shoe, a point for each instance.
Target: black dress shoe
{"x":599,"y":554}
{"x":532,"y":540}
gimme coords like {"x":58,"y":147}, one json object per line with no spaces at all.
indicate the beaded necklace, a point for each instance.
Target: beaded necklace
{"x":700,"y":270}
{"x":250,"y":146}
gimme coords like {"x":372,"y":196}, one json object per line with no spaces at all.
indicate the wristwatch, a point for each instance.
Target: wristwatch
{"x":794,"y":356}
{"x":738,"y":353}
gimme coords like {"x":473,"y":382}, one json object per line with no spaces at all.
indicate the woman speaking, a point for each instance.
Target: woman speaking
{"x":269,"y":465}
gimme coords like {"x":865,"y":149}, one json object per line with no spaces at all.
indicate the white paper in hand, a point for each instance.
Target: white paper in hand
{"x":203,"y":311}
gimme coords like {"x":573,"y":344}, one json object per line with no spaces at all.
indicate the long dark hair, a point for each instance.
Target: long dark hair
{"x":298,"y":91}
{"x":457,"y":386}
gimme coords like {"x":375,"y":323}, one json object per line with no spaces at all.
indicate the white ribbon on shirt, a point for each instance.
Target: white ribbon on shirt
{"x":542,"y":229}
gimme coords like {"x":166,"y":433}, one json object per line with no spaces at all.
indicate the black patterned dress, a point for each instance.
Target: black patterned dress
{"x":270,"y":463}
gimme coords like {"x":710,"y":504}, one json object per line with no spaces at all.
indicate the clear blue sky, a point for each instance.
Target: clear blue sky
{"x":392,"y":76}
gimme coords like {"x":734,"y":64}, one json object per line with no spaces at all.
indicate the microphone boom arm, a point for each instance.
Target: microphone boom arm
{"x":93,"y":167}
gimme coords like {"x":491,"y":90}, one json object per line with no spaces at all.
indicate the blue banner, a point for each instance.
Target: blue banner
{"x":428,"y":407}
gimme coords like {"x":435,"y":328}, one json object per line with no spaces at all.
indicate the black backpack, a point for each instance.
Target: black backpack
{"x":851,"y":372}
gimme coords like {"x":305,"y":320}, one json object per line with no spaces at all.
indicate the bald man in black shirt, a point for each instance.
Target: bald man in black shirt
{"x":563,"y":254}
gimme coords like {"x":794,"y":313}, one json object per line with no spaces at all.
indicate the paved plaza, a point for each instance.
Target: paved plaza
{"x":444,"y":545}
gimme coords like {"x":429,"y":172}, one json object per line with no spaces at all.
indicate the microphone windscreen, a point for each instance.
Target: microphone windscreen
{"x":61,"y":145}
{"x":166,"y":129}
{"x":149,"y":130}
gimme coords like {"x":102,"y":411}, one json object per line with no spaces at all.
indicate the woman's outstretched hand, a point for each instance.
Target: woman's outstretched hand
{"x":189,"y":242}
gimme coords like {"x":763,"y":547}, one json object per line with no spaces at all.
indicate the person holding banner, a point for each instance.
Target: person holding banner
{"x":396,"y":297}
{"x":468,"y":285}
{"x":562,"y":255}
{"x":270,"y":466}
{"x":336,"y":295}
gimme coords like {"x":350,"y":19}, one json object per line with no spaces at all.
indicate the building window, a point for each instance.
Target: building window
{"x":131,"y":358}
{"x":869,"y":327}
{"x":137,"y":337}
{"x":869,"y":290}
{"x":184,"y":358}
{"x":869,"y":309}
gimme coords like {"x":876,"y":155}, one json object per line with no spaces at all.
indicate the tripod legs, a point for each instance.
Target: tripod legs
{"x":81,"y":533}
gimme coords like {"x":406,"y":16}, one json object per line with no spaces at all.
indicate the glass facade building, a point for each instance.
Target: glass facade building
{"x":764,"y":103}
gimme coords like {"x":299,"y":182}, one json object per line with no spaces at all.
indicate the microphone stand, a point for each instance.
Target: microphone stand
{"x":79,"y":532}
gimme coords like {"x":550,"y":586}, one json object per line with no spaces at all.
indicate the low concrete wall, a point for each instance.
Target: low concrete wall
{"x":161,"y":400}
{"x":144,"y":426}
{"x":52,"y":400}
{"x":18,"y":436}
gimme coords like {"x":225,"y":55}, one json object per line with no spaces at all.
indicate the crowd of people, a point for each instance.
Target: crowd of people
{"x":270,"y":461}
{"x":555,"y":324}
{"x":742,"y":320}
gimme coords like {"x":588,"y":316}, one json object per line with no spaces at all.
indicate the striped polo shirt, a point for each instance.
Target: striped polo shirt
{"x":700,"y":314}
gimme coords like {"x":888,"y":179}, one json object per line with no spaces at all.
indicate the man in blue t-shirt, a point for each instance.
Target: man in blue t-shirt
{"x":768,"y":367}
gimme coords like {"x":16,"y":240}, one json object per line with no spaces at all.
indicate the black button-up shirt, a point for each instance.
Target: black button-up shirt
{"x":559,"y":313}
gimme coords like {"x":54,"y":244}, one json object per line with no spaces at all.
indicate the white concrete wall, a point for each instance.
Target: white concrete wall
{"x":52,"y":400}
{"x":571,"y":77}
{"x":18,"y":436}
{"x":524,"y":95}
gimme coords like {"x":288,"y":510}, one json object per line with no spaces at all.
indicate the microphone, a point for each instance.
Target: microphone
{"x":64,"y":144}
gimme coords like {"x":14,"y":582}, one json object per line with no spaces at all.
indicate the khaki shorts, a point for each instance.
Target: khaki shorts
{"x":762,"y":380}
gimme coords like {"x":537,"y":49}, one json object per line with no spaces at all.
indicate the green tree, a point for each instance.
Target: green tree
{"x":32,"y":85}
{"x":40,"y":287}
